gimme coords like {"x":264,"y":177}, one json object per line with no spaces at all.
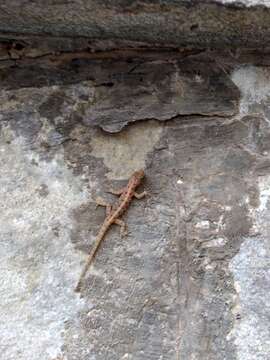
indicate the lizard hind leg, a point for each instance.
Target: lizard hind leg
{"x":102,"y":202}
{"x":123,"y":227}
{"x":116,"y":191}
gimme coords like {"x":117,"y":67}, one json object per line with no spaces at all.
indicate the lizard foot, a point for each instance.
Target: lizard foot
{"x":123,"y":227}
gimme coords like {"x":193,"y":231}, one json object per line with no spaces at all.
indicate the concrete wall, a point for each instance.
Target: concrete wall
{"x":191,"y":279}
{"x":125,"y":23}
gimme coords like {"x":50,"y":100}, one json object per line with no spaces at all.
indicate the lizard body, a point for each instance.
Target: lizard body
{"x":112,"y":215}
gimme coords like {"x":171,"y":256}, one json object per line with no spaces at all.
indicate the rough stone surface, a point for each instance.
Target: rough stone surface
{"x":112,"y":94}
{"x":37,"y":259}
{"x":122,"y":23}
{"x":91,"y":91}
{"x":247,"y":2}
{"x":191,"y":279}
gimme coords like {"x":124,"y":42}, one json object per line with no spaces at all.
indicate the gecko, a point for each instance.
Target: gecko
{"x":113,"y":212}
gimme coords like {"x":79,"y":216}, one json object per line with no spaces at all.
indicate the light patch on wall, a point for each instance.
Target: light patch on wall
{"x":250,"y":268}
{"x":126,"y":151}
{"x":215,"y":242}
{"x":247,"y":3}
{"x":39,"y":266}
{"x":264,"y":191}
{"x":203,"y":224}
{"x":254,"y":85}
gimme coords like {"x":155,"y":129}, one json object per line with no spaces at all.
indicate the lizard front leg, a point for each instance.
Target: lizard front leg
{"x":141,"y":195}
{"x":123,"y":227}
{"x":102,"y":202}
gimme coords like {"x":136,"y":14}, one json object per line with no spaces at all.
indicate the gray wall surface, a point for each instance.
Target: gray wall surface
{"x":122,"y":23}
{"x":191,"y":280}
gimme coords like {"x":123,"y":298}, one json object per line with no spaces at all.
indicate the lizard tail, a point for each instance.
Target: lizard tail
{"x":91,"y":256}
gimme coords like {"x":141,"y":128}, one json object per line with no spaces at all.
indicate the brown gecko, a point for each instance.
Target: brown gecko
{"x":113,"y":212}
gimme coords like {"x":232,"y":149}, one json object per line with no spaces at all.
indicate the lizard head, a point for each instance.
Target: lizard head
{"x":138,"y":176}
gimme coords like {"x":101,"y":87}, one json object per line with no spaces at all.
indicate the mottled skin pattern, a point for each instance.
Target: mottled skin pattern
{"x":113,"y":213}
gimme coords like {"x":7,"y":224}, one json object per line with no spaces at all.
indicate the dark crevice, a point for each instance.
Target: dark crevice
{"x":187,"y":119}
{"x":108,"y":84}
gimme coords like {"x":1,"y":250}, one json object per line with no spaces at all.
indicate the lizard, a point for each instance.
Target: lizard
{"x":113,"y":212}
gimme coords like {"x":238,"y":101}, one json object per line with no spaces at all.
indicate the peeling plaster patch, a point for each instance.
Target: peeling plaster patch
{"x":254,"y":84}
{"x":38,"y":263}
{"x":126,"y":151}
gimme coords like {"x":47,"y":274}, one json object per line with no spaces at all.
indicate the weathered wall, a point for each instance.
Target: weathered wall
{"x":191,"y":279}
{"x":126,"y":23}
